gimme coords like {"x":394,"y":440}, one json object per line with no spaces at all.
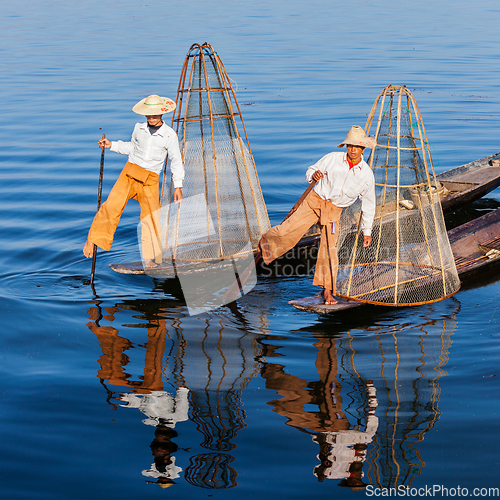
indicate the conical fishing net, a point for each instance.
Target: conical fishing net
{"x":223,"y":214}
{"x":410,"y":260}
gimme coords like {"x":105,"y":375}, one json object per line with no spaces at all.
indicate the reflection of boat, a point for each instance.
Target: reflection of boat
{"x":475,"y":246}
{"x":205,"y":371}
{"x":367,"y":400}
{"x":362,"y":401}
{"x":462,"y":184}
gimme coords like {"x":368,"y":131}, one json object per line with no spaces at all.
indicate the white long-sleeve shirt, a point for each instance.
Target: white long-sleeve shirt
{"x":160,"y":406}
{"x":171,"y":471}
{"x":343,"y":186}
{"x":150,"y":150}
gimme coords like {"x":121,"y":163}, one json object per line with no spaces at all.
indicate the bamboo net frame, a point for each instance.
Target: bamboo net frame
{"x":410,"y":261}
{"x":225,"y":215}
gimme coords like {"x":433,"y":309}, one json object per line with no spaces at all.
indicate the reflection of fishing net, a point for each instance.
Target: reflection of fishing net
{"x":217,"y":371}
{"x":409,"y":401}
{"x":218,"y":365}
{"x":410,"y":259}
{"x":407,"y":374}
{"x":211,"y":471}
{"x":229,"y":212}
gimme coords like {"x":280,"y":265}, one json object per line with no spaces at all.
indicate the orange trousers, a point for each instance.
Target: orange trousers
{"x":139,"y":184}
{"x":313,"y":210}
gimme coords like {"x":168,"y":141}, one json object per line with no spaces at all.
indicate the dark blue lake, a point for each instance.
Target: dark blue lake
{"x":259,"y":400}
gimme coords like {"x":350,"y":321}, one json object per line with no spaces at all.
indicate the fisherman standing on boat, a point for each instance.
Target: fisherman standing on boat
{"x":341,"y":178}
{"x":151,"y":142}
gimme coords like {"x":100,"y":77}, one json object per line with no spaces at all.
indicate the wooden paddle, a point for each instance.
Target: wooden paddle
{"x":233,"y":291}
{"x":99,"y":194}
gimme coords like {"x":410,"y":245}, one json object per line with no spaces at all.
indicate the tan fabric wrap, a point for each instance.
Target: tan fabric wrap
{"x":128,"y":187}
{"x":137,"y":173}
{"x":280,"y":239}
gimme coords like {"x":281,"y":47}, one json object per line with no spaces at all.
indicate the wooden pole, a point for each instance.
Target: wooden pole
{"x":99,"y":194}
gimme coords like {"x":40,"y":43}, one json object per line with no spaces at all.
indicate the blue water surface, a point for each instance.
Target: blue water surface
{"x":271,"y":402}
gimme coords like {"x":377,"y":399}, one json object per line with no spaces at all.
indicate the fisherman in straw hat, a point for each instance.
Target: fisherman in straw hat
{"x":151,"y":142}
{"x":341,"y":178}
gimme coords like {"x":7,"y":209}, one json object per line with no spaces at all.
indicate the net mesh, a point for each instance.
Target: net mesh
{"x":226,"y":214}
{"x":410,"y":260}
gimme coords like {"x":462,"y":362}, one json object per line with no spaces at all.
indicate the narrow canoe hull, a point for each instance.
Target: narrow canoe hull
{"x":470,"y":182}
{"x":476,"y":249}
{"x":464,"y":184}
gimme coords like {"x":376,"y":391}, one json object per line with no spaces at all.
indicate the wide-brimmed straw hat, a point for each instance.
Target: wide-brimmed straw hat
{"x":357,"y":137}
{"x":154,"y":105}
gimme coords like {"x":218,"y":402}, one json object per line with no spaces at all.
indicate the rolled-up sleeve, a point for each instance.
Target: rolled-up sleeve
{"x":320,"y":165}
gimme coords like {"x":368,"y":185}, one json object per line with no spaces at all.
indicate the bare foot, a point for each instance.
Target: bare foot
{"x":329,"y":298}
{"x":88,"y":249}
{"x":148,"y":264}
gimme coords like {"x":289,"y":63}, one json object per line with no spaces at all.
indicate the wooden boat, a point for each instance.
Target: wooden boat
{"x":470,"y":182}
{"x":475,"y":246}
{"x":461,"y":185}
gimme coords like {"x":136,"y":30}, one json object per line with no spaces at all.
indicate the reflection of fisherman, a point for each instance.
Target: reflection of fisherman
{"x":342,"y":453}
{"x":163,"y":411}
{"x":159,"y":406}
{"x":342,"y":446}
{"x":163,"y":469}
